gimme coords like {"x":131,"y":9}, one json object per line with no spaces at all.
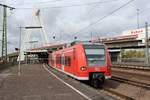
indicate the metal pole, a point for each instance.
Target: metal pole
{"x":19,"y":67}
{"x":138,"y":18}
{"x":146,"y":44}
{"x":26,"y":56}
{"x":91,"y":37}
{"x":4,"y":34}
{"x":120,"y":55}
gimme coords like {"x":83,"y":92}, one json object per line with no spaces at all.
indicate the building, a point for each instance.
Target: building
{"x":128,"y":40}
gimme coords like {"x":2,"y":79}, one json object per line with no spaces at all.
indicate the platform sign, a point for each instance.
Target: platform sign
{"x":139,"y":32}
{"x":134,"y":32}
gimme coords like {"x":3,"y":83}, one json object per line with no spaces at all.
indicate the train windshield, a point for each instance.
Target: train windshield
{"x":95,"y":55}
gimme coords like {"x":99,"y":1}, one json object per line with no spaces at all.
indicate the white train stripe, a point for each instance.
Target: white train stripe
{"x":85,"y":96}
{"x":76,"y":77}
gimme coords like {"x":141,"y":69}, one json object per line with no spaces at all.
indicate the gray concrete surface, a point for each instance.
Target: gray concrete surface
{"x":35,"y":83}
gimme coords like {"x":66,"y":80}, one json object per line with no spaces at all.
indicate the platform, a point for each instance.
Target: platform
{"x":35,"y":83}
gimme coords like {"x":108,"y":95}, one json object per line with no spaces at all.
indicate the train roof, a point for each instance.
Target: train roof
{"x":85,"y":43}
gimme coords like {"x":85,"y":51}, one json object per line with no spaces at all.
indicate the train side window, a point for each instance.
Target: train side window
{"x":52,"y":61}
{"x":74,"y":53}
{"x":67,"y":61}
{"x":63,"y":60}
{"x":58,"y":59}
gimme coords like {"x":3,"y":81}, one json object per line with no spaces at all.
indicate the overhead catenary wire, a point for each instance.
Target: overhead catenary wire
{"x":66,"y":6}
{"x":55,"y":2}
{"x":70,"y":6}
{"x":102,"y":18}
{"x":37,"y":2}
{"x":94,"y":7}
{"x":41,"y":2}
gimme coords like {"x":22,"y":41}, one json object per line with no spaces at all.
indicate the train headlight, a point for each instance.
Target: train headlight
{"x":83,"y":68}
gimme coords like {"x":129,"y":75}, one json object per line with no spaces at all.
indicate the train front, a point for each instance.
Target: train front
{"x":98,"y":63}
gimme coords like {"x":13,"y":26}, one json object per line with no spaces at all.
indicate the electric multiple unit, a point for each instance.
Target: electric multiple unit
{"x":83,"y":61}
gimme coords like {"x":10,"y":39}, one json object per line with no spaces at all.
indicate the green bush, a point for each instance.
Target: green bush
{"x":132,"y":54}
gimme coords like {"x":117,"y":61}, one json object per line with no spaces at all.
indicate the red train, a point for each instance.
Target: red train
{"x":83,"y":61}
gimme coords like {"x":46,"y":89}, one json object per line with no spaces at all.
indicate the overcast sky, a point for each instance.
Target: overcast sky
{"x":68,"y":18}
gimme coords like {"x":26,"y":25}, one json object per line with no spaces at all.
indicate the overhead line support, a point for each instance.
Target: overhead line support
{"x":4,"y":31}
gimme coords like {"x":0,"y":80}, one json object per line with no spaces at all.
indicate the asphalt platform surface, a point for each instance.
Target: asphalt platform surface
{"x":35,"y":83}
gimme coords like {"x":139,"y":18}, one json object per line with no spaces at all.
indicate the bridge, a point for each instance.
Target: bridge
{"x":130,"y":40}
{"x":114,"y":44}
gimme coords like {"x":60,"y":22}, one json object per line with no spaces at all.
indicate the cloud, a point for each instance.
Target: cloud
{"x":63,"y":23}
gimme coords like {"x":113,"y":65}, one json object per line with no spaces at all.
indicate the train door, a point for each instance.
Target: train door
{"x":62,"y":62}
{"x":74,"y":65}
{"x":55,"y":61}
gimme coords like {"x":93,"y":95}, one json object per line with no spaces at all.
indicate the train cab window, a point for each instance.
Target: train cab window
{"x":67,"y":61}
{"x":63,"y":60}
{"x":95,"y":55}
{"x":58,"y":59}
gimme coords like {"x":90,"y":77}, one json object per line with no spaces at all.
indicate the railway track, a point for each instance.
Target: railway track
{"x":115,"y":94}
{"x":105,"y":90}
{"x":133,"y":77}
{"x":135,"y":67}
{"x":131,"y":82}
{"x":111,"y":92}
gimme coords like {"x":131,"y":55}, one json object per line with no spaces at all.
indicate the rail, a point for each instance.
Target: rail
{"x":117,"y":94}
{"x":131,"y":82}
{"x":104,"y":90}
{"x":132,"y":66}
